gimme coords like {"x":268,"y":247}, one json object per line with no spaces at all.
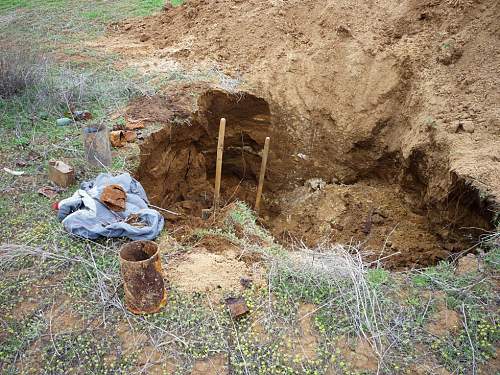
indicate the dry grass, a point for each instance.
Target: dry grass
{"x":19,"y":71}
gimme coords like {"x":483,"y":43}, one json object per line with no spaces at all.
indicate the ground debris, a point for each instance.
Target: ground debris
{"x":117,"y":138}
{"x":237,"y":307}
{"x":61,"y":173}
{"x":12,"y":172}
{"x":114,"y":197}
{"x":49,"y":191}
{"x":315,"y":184}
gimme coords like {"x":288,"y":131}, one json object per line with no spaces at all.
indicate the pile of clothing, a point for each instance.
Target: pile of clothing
{"x":110,"y":207}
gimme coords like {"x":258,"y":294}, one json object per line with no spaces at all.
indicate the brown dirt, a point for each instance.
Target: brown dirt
{"x":149,"y":359}
{"x":216,"y":365}
{"x":396,"y":100}
{"x":359,"y":354}
{"x":370,"y":214}
{"x":129,"y":339}
{"x":467,"y":264}
{"x":444,"y":322}
{"x":202,"y":271}
{"x":308,"y":342}
{"x":427,"y":363}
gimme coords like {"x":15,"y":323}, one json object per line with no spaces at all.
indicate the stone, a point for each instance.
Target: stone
{"x":237,"y":307}
{"x":315,"y":184}
{"x":468,"y":126}
{"x":377,"y":218}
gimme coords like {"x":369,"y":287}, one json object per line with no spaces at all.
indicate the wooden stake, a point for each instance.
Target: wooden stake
{"x":262,"y":174}
{"x":218,"y":167}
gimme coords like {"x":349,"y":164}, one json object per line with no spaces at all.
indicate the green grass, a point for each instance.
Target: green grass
{"x":19,"y":335}
{"x":85,"y":352}
{"x":136,"y":7}
{"x":58,"y":24}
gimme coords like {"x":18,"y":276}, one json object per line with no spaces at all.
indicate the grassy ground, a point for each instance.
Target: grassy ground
{"x":61,"y":298}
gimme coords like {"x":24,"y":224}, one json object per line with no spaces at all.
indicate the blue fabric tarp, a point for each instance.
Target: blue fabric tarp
{"x":84,"y":215}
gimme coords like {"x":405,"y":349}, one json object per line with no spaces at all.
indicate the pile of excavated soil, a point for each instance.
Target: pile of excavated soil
{"x":397,"y":100}
{"x":357,"y":84}
{"x":203,"y":272}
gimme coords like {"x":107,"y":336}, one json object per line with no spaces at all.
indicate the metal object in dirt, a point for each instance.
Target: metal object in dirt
{"x":237,"y":307}
{"x":142,"y":277}
{"x":114,"y":197}
{"x":96,"y":144}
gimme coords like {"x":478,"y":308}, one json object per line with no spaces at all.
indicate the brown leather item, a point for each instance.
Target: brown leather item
{"x":114,"y":197}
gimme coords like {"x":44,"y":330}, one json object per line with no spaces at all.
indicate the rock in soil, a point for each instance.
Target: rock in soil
{"x":467,"y":264}
{"x":237,"y":307}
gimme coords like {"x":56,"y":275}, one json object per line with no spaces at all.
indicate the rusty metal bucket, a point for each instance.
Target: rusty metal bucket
{"x":142,"y":277}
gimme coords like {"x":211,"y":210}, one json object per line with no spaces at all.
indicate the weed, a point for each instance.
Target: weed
{"x":470,"y":346}
{"x":85,"y":352}
{"x":17,"y":72}
{"x":377,"y":277}
{"x":471,"y":295}
{"x":430,"y":123}
{"x":492,"y":259}
{"x":19,"y":334}
{"x":10,"y":288}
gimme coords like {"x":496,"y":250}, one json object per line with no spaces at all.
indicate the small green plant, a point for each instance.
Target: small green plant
{"x":85,"y":352}
{"x":473,"y":345}
{"x":377,"y":277}
{"x":492,"y":258}
{"x":430,"y":123}
{"x":92,"y":15}
{"x":19,"y":334}
{"x":421,"y":281}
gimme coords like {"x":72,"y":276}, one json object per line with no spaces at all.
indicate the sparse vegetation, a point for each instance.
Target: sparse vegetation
{"x":353,"y":307}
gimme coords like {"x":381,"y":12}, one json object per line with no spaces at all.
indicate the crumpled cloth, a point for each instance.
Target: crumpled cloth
{"x":83,"y":214}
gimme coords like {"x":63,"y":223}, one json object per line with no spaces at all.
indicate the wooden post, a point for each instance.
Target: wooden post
{"x":262,"y":174}
{"x":218,"y":167}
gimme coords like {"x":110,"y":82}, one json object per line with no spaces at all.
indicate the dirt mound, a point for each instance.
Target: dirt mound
{"x":357,"y":84}
{"x":203,"y":272}
{"x":400,"y":94}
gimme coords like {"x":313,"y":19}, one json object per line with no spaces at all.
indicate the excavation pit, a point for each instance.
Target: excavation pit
{"x":178,"y":162}
{"x":374,"y":212}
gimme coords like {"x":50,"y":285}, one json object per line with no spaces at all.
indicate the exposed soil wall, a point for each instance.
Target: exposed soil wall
{"x":178,"y":162}
{"x":401,"y":95}
{"x":386,"y":219}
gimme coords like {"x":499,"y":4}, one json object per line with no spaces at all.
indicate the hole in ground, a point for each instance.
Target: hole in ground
{"x":177,"y":169}
{"x":177,"y":166}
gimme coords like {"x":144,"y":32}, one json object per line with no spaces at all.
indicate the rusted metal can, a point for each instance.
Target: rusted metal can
{"x":142,"y":277}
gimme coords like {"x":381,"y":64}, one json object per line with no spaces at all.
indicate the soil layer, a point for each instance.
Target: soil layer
{"x":393,"y":107}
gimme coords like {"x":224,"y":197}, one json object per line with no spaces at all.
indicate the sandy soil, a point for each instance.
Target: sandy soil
{"x":392,"y":103}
